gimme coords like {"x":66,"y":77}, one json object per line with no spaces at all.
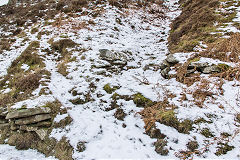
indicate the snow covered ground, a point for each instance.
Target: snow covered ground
{"x":11,"y":153}
{"x":3,"y":2}
{"x":138,"y":37}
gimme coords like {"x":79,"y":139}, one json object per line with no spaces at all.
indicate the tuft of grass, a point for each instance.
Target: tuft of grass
{"x":207,"y":133}
{"x":141,"y":101}
{"x":110,"y":89}
{"x":223,"y":149}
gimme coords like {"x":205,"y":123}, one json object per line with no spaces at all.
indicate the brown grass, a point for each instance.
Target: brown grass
{"x":190,"y":26}
{"x":227,"y":50}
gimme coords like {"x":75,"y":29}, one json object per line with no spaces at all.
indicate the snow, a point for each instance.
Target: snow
{"x":105,"y":136}
{"x":3,"y":2}
{"x":11,"y":153}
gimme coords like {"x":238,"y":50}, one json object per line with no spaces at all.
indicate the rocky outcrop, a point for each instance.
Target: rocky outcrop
{"x":30,"y":120}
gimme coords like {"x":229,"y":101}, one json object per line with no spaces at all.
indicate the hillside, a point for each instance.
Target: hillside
{"x":108,"y":79}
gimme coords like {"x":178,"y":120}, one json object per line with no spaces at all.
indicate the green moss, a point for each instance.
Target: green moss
{"x":110,"y":89}
{"x":141,"y":101}
{"x":207,"y":133}
{"x":223,"y":67}
{"x":185,"y":126}
{"x":195,"y":60}
{"x":201,"y":120}
{"x":34,"y":30}
{"x":223,"y":148}
{"x":168,"y":118}
{"x":115,"y":96}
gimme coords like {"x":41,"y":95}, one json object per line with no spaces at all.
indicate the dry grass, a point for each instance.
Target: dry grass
{"x":194,"y":24}
{"x":227,"y":50}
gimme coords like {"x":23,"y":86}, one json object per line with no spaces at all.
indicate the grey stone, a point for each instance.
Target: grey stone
{"x":2,"y":121}
{"x":165,"y":71}
{"x":27,"y":128}
{"x":27,"y":112}
{"x":41,"y":124}
{"x":118,"y":62}
{"x":2,"y":126}
{"x":105,"y":54}
{"x":172,"y":60}
{"x":211,"y":69}
{"x":13,"y":126}
{"x":164,"y":65}
{"x":42,"y":133}
{"x":3,"y":111}
{"x":33,"y":119}
{"x":198,"y":66}
{"x":102,"y":64}
{"x":190,"y":71}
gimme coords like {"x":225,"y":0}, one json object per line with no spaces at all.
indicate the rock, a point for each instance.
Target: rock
{"x":165,"y":71}
{"x":81,"y":146}
{"x":3,"y":111}
{"x":42,"y":133}
{"x":172,"y":60}
{"x":41,"y":124}
{"x":119,"y":114}
{"x":4,"y":125}
{"x":2,"y":121}
{"x":33,"y":119}
{"x":238,"y":117}
{"x":105,"y":54}
{"x":211,"y":69}
{"x":190,"y":71}
{"x":27,"y":128}
{"x":160,"y":147}
{"x":164,"y":65}
{"x":198,"y":66}
{"x":27,"y":112}
{"x":118,"y":62}
{"x":13,"y":126}
{"x":102,"y":64}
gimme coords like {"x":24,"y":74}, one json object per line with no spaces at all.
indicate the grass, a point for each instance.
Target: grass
{"x":163,"y":113}
{"x":187,"y":31}
{"x":110,"y":89}
{"x":22,"y":82}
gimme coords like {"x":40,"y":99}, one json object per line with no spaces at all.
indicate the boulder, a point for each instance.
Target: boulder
{"x":105,"y":54}
{"x":27,"y":112}
{"x":33,"y":119}
{"x":211,"y":69}
{"x":172,"y":60}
